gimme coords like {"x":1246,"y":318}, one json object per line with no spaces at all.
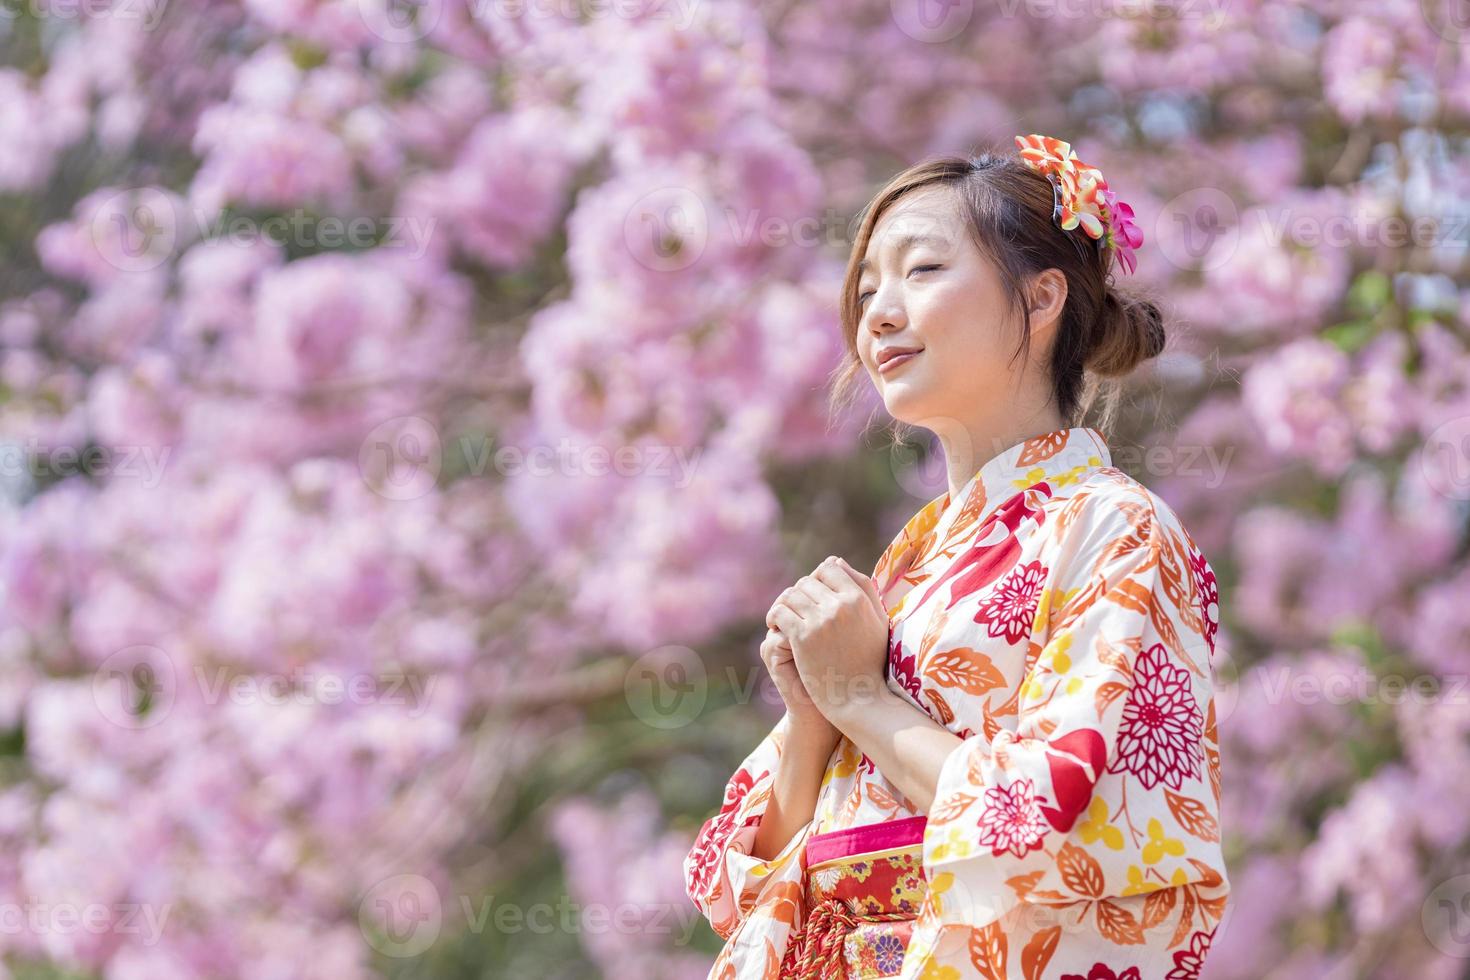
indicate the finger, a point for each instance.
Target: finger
{"x":802,"y":598}
{"x":814,"y":590}
{"x":780,"y":603}
{"x":785,"y":619}
{"x":834,"y":575}
{"x":864,"y":582}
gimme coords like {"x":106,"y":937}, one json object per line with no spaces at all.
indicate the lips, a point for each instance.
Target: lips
{"x":890,"y":358}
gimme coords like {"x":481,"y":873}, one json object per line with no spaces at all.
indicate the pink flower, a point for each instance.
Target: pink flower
{"x":1159,"y":739}
{"x":1012,"y":821}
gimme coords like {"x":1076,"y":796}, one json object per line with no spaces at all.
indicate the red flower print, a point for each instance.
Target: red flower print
{"x":1209,"y":595}
{"x":995,"y":548}
{"x":1076,"y":760}
{"x":1012,"y":821}
{"x":904,"y":668}
{"x":1101,"y":971}
{"x":1159,"y":738}
{"x":1010,"y":610}
{"x":1188,"y":962}
{"x":714,"y":836}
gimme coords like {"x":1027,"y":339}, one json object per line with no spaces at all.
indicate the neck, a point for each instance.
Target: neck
{"x":971,"y":443}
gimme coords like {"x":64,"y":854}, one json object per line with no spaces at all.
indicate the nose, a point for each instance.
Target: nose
{"x":887,"y":313}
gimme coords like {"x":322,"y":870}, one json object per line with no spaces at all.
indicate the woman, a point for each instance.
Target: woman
{"x":999,"y":755}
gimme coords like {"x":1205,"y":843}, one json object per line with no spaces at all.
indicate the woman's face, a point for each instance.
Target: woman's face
{"x":928,"y":288}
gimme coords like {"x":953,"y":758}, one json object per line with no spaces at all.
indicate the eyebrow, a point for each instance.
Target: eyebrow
{"x":908,"y":241}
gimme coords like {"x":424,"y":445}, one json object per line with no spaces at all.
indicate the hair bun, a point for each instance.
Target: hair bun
{"x":1129,"y":331}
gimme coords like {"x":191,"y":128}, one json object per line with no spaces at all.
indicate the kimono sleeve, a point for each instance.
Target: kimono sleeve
{"x":1102,"y":789}
{"x":720,"y":875}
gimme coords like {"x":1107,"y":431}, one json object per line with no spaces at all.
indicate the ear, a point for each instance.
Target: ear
{"x":1047,"y":293}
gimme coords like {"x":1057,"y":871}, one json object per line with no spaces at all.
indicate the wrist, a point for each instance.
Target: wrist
{"x":859,"y":701}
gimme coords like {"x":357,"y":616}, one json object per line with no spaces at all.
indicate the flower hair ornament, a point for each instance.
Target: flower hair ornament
{"x":1082,"y":197}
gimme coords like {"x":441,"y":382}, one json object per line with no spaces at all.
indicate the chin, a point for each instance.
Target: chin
{"x":905,"y":406}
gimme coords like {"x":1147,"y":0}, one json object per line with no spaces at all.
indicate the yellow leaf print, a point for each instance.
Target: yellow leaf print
{"x":1032,"y":477}
{"x":1158,"y":845}
{"x":1096,"y":826}
{"x":1137,"y":884}
{"x":1057,"y":652}
{"x":955,"y":845}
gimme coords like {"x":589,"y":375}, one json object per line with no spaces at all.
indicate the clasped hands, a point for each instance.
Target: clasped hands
{"x":826,"y":644}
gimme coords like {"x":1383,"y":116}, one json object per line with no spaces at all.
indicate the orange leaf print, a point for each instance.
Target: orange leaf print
{"x":988,"y":951}
{"x":1158,"y":905}
{"x":784,"y":901}
{"x":1039,"y":951}
{"x":1193,"y":816}
{"x":969,"y":670}
{"x":1213,"y":908}
{"x":1022,"y":884}
{"x":1208,"y":876}
{"x":1214,"y":758}
{"x":1106,"y":695}
{"x":881,"y":797}
{"x":953,"y":806}
{"x":989,"y":724}
{"x":1080,"y":871}
{"x":1186,"y":919}
{"x":1042,"y":448}
{"x":1133,"y":595}
{"x":1118,"y":924}
{"x":1116,"y":656}
{"x":944,"y":713}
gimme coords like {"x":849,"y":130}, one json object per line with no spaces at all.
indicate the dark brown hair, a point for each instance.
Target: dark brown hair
{"x":1007,"y":209}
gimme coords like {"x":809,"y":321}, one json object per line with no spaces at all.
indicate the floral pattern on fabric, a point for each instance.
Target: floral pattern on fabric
{"x":1057,"y":618}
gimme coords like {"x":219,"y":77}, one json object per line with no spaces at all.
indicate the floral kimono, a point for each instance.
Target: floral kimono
{"x":1058,"y":619}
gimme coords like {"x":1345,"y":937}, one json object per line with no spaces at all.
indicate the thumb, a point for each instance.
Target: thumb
{"x":866,"y":584}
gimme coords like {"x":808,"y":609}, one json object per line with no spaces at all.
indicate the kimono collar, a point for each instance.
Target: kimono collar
{"x":1056,"y":458}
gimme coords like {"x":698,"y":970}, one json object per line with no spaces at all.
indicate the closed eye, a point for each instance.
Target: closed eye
{"x":863,"y":298}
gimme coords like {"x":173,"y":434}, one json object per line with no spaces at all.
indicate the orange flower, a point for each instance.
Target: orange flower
{"x":1082,"y":196}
